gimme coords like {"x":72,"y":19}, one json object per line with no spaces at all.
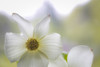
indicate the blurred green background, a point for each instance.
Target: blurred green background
{"x":81,"y":27}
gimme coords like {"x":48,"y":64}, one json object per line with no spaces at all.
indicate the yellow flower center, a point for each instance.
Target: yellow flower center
{"x":32,"y":44}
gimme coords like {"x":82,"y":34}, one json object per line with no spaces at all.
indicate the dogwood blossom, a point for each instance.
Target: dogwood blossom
{"x":33,"y":47}
{"x":79,"y":56}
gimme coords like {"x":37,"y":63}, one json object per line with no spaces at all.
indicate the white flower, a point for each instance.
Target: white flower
{"x":80,"y":56}
{"x":33,"y":47}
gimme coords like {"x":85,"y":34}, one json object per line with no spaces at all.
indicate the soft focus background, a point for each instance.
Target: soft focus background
{"x":78,"y":22}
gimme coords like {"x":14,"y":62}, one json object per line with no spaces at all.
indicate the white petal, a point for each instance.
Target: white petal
{"x":14,"y":46}
{"x":59,"y":62}
{"x":50,"y":45}
{"x":25,"y":26}
{"x":36,"y":59}
{"x":80,"y":56}
{"x":41,"y":28}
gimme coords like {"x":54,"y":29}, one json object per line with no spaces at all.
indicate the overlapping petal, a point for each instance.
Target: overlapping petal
{"x":50,"y":45}
{"x":41,"y":28}
{"x":80,"y":56}
{"x":59,"y":62}
{"x":33,"y":60}
{"x":14,"y":46}
{"x":25,"y":26}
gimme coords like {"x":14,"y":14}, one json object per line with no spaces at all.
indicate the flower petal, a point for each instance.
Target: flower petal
{"x":80,"y":56}
{"x":36,"y":59}
{"x":41,"y":28}
{"x":25,"y":26}
{"x":50,"y":45}
{"x":14,"y":46}
{"x":59,"y":62}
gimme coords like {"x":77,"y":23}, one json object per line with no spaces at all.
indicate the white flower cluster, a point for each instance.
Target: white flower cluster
{"x":34,"y":48}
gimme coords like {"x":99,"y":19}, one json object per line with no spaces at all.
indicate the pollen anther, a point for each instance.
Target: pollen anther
{"x":32,"y":44}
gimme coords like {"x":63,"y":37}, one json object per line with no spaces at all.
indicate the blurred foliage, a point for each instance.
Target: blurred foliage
{"x":65,"y":56}
{"x":83,"y":25}
{"x":4,"y":62}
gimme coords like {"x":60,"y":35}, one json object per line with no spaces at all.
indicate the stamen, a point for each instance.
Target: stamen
{"x":32,"y":44}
